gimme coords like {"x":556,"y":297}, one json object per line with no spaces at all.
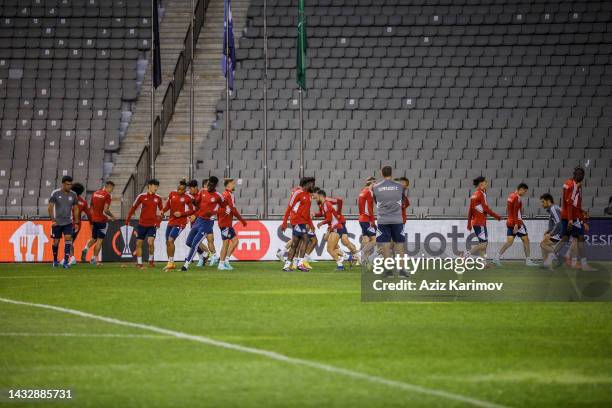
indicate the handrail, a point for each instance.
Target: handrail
{"x":142,"y":172}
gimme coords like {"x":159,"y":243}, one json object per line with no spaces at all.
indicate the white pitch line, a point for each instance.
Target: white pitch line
{"x":107,"y":335}
{"x":269,"y":354}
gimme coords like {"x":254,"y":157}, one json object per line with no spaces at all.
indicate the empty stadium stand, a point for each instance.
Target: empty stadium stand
{"x":443,"y":90}
{"x":68,"y":77}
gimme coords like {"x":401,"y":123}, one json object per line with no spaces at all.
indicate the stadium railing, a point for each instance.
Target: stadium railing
{"x":143,"y":170}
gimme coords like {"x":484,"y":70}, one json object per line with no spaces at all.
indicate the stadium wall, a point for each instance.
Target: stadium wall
{"x":28,"y":241}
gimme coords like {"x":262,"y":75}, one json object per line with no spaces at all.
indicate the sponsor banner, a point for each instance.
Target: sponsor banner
{"x":261,"y":239}
{"x":30,"y":241}
{"x":599,"y":240}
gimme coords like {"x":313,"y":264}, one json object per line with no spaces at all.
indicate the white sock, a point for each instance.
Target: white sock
{"x":285,"y":258}
{"x":139,"y":260}
{"x":339,"y":262}
{"x":583,"y":261}
{"x":170,"y":259}
{"x":186,"y":265}
{"x":307,"y":257}
{"x":287,"y":263}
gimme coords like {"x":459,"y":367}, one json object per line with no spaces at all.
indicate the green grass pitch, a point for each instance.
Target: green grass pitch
{"x":511,"y":354}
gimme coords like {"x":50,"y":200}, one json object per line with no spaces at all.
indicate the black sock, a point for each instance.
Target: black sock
{"x":55,"y":249}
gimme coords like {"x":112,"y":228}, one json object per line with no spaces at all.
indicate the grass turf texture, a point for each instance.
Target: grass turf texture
{"x":515,"y":354}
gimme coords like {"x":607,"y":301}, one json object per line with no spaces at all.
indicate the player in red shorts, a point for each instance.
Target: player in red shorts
{"x":148,"y":222}
{"x":226,"y":217}
{"x":78,"y":188}
{"x":180,"y":207}
{"x":298,"y":213}
{"x":336,"y":231}
{"x":515,"y":225}
{"x":477,"y":216}
{"x":100,"y":212}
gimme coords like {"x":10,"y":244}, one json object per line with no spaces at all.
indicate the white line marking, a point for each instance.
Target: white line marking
{"x":269,"y":354}
{"x":109,"y":335}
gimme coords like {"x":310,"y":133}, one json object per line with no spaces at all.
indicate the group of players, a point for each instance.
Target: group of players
{"x":201,"y":207}
{"x":564,"y":238}
{"x":187,"y":204}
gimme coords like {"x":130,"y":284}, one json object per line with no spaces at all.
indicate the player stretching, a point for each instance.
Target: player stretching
{"x":148,"y":222}
{"x":226,"y":217}
{"x":208,"y":203}
{"x":78,"y":189}
{"x":298,"y":211}
{"x":516,"y":226}
{"x":62,"y":207}
{"x":180,"y":207}
{"x":553,"y":234}
{"x":100,"y":214}
{"x":367,"y":221}
{"x":477,"y":217}
{"x":573,"y":219}
{"x":336,"y":230}
{"x":282,"y":253}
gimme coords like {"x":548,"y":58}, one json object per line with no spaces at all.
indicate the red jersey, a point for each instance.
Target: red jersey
{"x":515,"y":206}
{"x":83,"y":208}
{"x":226,"y":214}
{"x":477,"y":213}
{"x":99,"y":200}
{"x":288,"y":209}
{"x":208,"y":204}
{"x":149,"y":204}
{"x":180,"y":203}
{"x":365,"y":202}
{"x":571,"y":204}
{"x":298,"y":209}
{"x":333,"y":217}
{"x":405,"y":205}
{"x":337,"y":203}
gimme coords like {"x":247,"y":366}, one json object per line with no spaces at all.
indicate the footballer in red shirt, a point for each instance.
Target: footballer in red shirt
{"x":78,"y":188}
{"x":99,"y":205}
{"x":298,"y":213}
{"x":336,"y":230}
{"x":477,"y":216}
{"x":148,"y":222}
{"x":208,"y":203}
{"x":574,"y":220}
{"x":180,"y":207}
{"x":367,"y":220}
{"x":515,"y":225}
{"x":226,"y":219}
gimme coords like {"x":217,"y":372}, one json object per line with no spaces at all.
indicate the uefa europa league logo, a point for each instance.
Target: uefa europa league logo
{"x":126,"y":234}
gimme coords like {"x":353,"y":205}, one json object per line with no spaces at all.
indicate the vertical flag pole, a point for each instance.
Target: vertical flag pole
{"x":265,"y":111}
{"x":191,"y":94}
{"x":152,"y":140}
{"x":301,"y":74}
{"x":227,"y":92}
{"x":301,"y":135}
